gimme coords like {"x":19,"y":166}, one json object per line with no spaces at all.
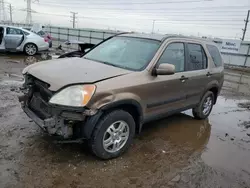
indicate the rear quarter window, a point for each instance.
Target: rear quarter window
{"x":215,"y":54}
{"x":26,"y":33}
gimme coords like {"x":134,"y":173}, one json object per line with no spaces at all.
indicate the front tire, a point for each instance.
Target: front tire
{"x":30,"y":49}
{"x":203,"y":109}
{"x":113,"y":134}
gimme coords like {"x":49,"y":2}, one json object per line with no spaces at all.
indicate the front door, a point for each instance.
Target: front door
{"x":169,"y":90}
{"x":13,"y":38}
{"x":197,"y":73}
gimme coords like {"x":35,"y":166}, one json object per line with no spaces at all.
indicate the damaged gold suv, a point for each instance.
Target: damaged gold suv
{"x":127,"y":80}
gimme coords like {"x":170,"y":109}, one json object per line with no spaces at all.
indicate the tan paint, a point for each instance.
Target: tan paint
{"x":115,"y":84}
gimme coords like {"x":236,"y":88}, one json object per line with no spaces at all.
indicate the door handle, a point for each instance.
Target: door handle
{"x":183,"y":79}
{"x":208,"y":74}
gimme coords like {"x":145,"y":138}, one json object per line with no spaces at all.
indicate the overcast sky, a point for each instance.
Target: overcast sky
{"x":218,"y":18}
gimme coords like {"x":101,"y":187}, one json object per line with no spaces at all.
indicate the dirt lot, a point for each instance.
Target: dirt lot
{"x":174,"y":152}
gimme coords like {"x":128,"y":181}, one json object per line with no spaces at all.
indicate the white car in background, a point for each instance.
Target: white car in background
{"x":19,"y":39}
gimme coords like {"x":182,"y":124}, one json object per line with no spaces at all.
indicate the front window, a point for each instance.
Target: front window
{"x":125,"y":52}
{"x":174,"y":54}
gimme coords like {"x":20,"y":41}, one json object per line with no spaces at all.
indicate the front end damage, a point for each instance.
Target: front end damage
{"x":64,"y":122}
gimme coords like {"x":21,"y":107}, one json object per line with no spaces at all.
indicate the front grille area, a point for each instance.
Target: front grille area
{"x":39,"y":106}
{"x":42,"y":88}
{"x":39,"y":98}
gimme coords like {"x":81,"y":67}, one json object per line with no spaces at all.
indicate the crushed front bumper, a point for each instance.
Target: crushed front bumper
{"x":69,"y":123}
{"x":57,"y":122}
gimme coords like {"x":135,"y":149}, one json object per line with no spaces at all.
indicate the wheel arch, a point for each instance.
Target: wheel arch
{"x":213,"y":87}
{"x":30,"y":43}
{"x":129,"y":105}
{"x":215,"y":91}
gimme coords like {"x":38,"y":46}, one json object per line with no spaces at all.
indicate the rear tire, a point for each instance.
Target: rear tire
{"x":113,"y":134}
{"x":30,"y":49}
{"x":203,"y":109}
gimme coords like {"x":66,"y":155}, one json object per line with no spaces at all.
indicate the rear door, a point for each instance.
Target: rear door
{"x":13,"y":38}
{"x":197,"y":72}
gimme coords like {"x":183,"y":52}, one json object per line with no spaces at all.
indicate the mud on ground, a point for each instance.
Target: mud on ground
{"x":174,"y":152}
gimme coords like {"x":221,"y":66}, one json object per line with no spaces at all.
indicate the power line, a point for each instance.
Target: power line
{"x":137,"y":3}
{"x":122,"y":8}
{"x":203,"y":20}
{"x":181,"y":11}
{"x":168,"y":13}
{"x":158,"y":20}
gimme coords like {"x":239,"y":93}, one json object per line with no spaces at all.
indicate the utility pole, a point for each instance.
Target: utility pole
{"x":28,"y":15}
{"x":2,"y":10}
{"x":73,"y":18}
{"x":245,"y":29}
{"x":10,"y":9}
{"x":29,"y":10}
{"x":153,"y":27}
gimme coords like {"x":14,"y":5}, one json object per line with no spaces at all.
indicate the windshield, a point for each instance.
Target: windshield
{"x":125,"y":52}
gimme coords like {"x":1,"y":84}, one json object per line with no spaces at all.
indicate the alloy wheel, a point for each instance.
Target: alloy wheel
{"x":207,"y":105}
{"x":116,"y":136}
{"x":30,"y":49}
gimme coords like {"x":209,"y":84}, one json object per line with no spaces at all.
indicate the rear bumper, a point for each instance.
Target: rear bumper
{"x":43,"y":47}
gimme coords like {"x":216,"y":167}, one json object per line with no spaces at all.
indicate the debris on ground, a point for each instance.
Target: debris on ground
{"x":245,"y":124}
{"x":244,"y":105}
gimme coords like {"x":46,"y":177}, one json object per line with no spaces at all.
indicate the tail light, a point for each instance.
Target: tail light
{"x":46,"y":40}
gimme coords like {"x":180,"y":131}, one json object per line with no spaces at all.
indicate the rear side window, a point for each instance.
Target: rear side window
{"x":197,"y":58}
{"x":215,"y":54}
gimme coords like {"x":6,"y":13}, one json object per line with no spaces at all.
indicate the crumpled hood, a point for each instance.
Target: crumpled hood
{"x":61,"y":72}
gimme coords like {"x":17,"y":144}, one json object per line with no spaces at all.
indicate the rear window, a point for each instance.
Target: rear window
{"x":197,"y":59}
{"x":215,"y":54}
{"x":41,"y":33}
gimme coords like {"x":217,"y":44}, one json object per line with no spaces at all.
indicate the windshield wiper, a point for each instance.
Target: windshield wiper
{"x":106,"y":63}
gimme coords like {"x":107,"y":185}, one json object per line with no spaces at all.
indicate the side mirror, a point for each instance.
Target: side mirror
{"x":165,"y":69}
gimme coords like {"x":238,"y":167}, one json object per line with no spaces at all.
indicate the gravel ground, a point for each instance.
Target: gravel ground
{"x":174,"y":152}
